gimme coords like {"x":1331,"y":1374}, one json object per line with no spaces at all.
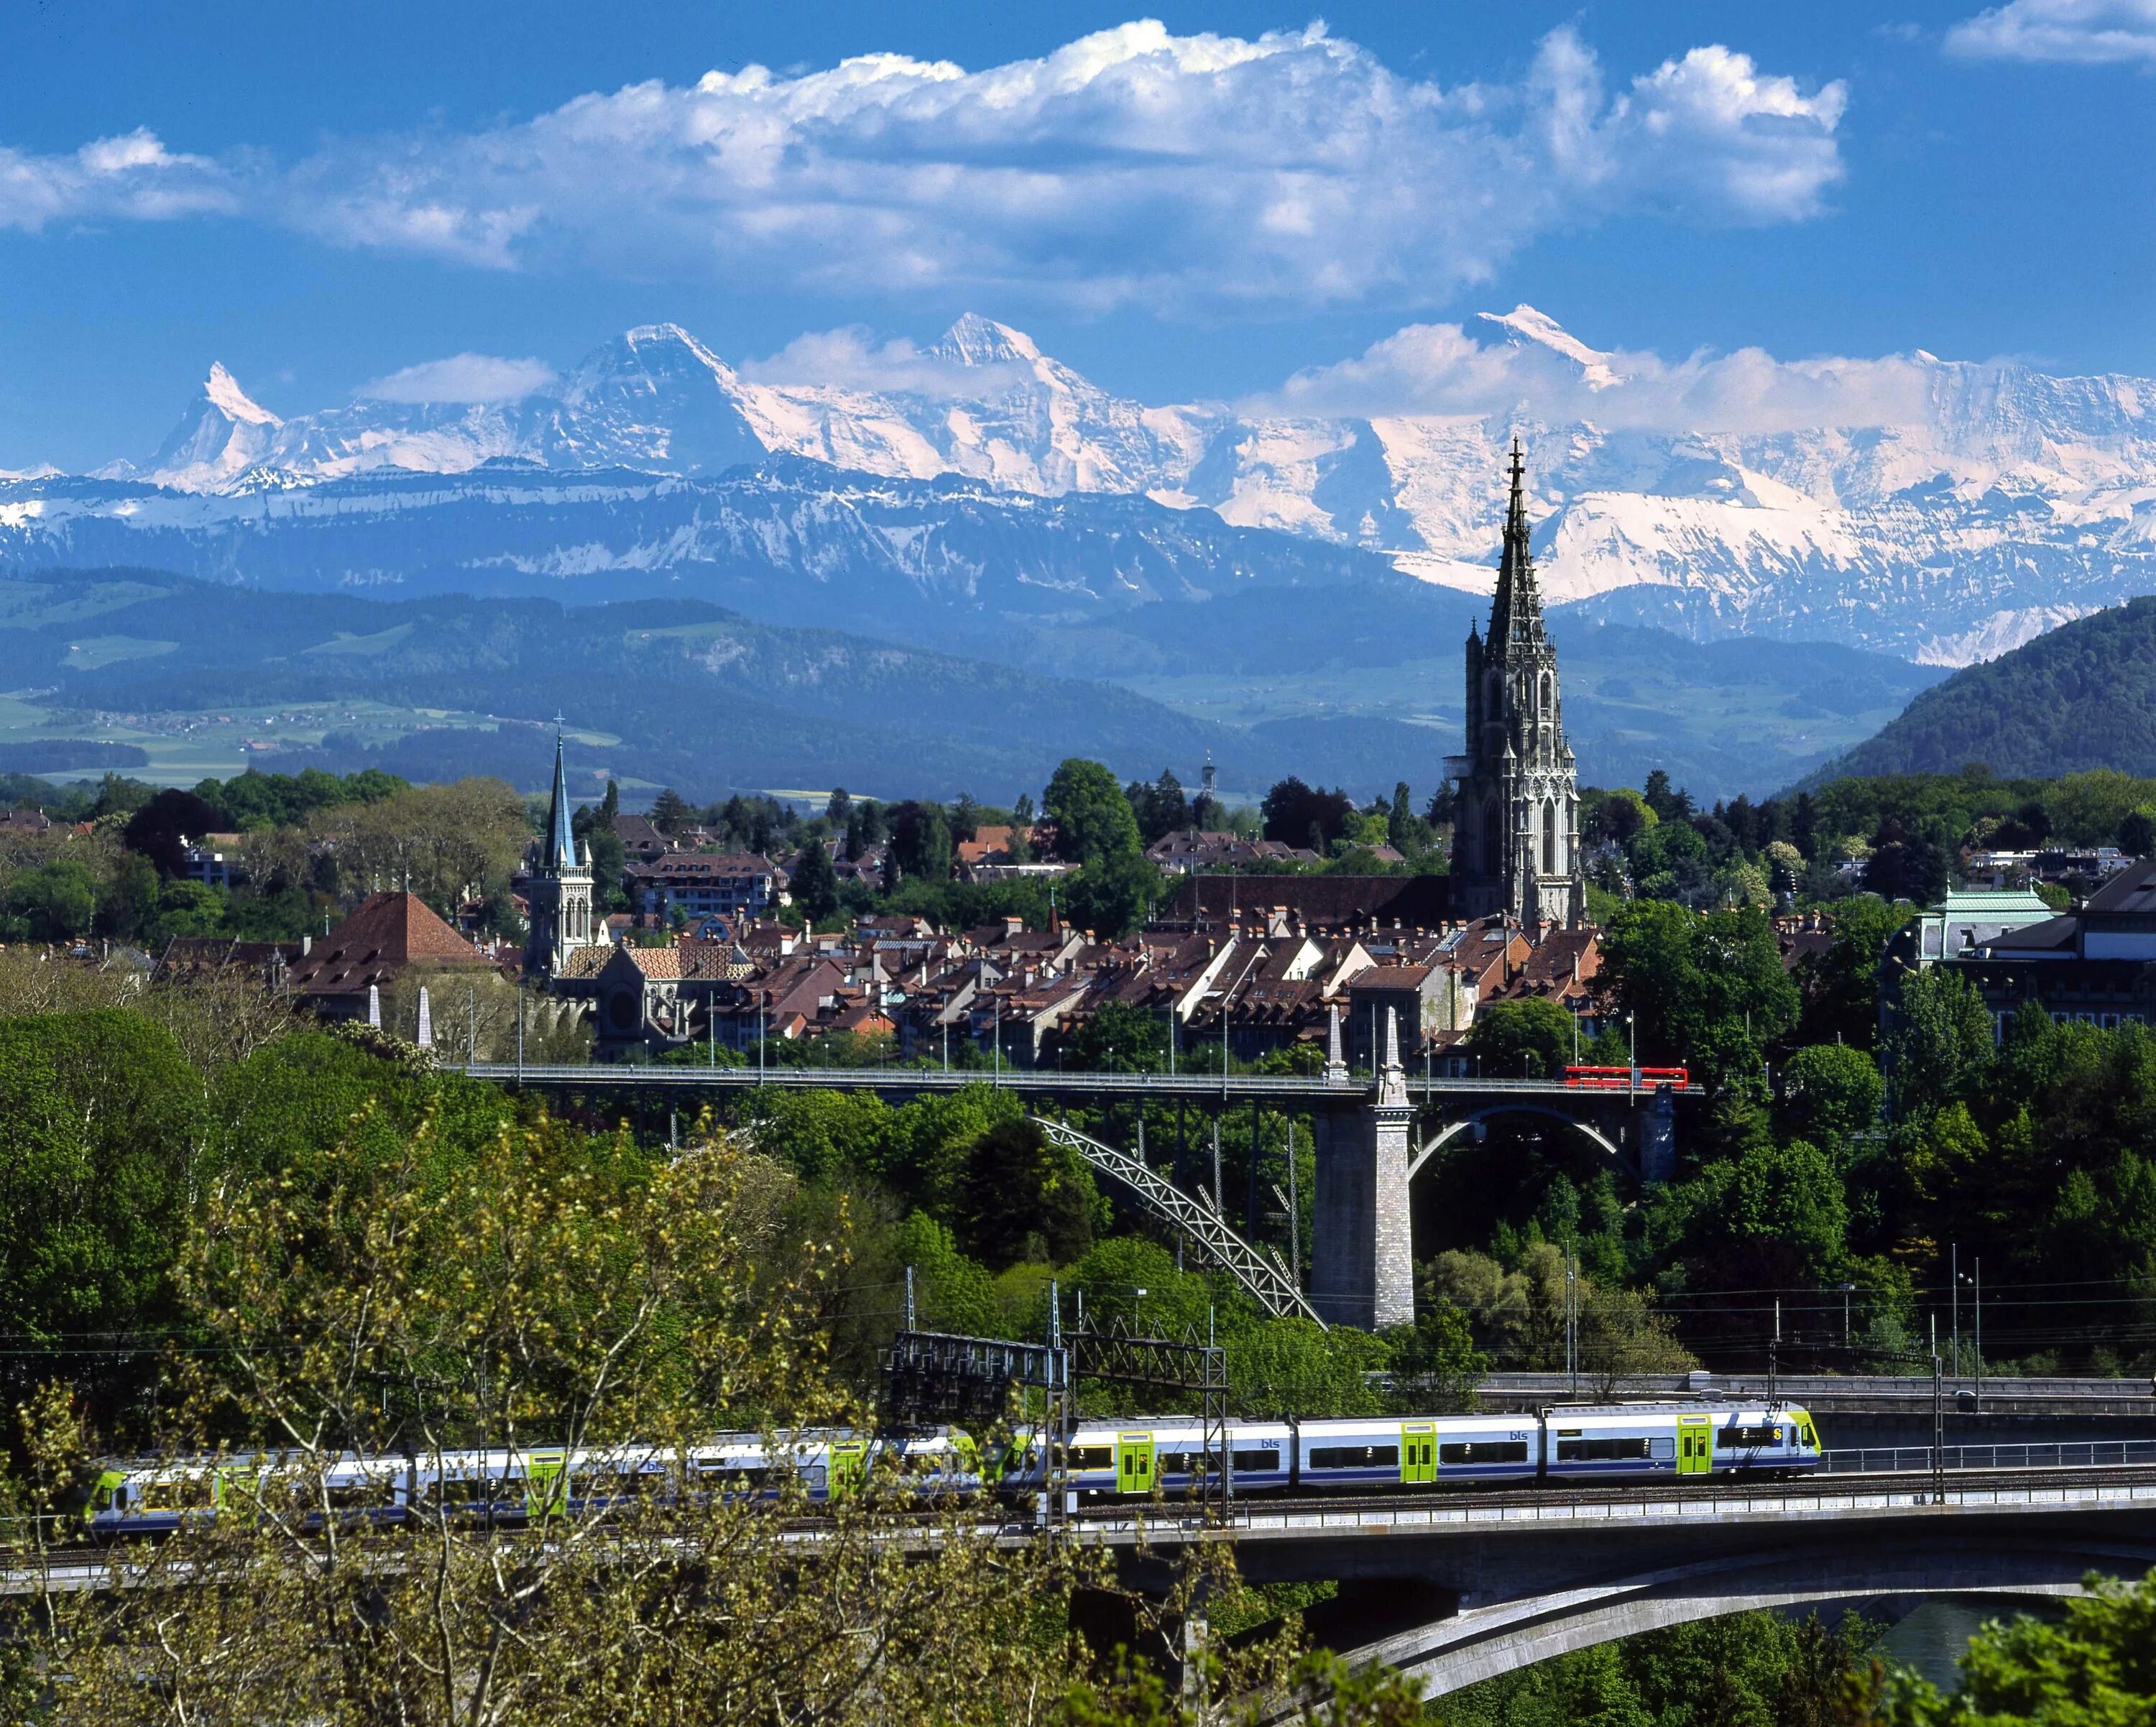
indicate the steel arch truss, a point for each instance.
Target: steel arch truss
{"x":1262,"y":1276}
{"x":1452,"y":1130}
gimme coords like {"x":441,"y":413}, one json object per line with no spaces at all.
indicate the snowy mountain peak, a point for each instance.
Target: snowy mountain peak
{"x":1525,"y":325}
{"x":976,"y":341}
{"x":222,"y":392}
{"x":657,"y":348}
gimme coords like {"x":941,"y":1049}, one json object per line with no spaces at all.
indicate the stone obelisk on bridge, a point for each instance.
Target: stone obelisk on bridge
{"x":1363,"y":1261}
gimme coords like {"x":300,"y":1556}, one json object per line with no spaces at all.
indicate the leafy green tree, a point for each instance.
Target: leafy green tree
{"x":1293,"y":812}
{"x":815,"y":883}
{"x":952,"y":1291}
{"x":920,"y":841}
{"x":1094,"y":822}
{"x":158,"y":829}
{"x":1941,"y":1043}
{"x":127,"y":899}
{"x":1840,"y":987}
{"x":1437,"y":1354}
{"x":1112,"y":895}
{"x":1827,"y":1092}
{"x":100,"y":1118}
{"x":2096,"y":1668}
{"x":1118,"y":1039}
{"x":1707,"y":991}
{"x":1530,"y":1039}
{"x":53,"y":902}
{"x":1743,"y":1670}
{"x":1025,"y":1198}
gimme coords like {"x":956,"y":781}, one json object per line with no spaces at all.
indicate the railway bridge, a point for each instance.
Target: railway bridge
{"x":1461,"y":1590}
{"x":1372,"y":1134}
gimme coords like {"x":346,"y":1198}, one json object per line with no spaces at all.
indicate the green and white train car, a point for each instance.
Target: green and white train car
{"x":1622,"y":1442}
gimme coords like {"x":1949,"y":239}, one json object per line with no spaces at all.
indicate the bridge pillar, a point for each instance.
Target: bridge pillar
{"x":1361,"y":1257}
{"x":1658,"y":1140}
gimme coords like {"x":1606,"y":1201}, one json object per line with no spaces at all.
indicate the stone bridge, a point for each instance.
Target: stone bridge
{"x":1489,"y":1585}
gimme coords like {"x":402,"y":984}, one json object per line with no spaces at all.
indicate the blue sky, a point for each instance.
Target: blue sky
{"x":318,"y":198}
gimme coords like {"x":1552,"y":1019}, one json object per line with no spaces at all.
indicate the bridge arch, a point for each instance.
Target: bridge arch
{"x":1452,"y":1130}
{"x":1262,"y":1276}
{"x":1481,"y":1642}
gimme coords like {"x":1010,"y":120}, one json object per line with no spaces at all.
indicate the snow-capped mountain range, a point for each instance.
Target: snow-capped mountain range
{"x":2006,"y":500}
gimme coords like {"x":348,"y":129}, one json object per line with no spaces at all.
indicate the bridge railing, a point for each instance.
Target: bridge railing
{"x":2060,"y":1454}
{"x":687,"y":1077}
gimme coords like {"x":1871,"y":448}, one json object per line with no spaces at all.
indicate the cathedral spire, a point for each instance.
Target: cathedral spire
{"x":1516,"y":614}
{"x":560,"y":844}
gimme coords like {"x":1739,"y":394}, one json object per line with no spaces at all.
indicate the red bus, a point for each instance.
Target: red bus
{"x":1622,"y":1079}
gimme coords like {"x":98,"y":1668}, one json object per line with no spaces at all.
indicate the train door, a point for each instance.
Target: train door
{"x":1695,"y":1445}
{"x":850,"y":1465}
{"x":1418,"y":1453}
{"x":546,"y":1481}
{"x":1134,"y":1462}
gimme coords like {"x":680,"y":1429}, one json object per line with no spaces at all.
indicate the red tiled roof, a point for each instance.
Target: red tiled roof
{"x":386,"y":932}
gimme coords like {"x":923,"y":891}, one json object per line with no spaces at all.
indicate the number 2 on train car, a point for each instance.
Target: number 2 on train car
{"x":1695,"y":1445}
{"x":1134,"y":1462}
{"x":1418,"y":1453}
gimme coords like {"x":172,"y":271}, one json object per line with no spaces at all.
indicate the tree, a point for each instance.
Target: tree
{"x":1021,"y":832}
{"x":920,"y":841}
{"x":1293,"y":811}
{"x":1438,"y":1354}
{"x":1840,"y":987}
{"x":1827,"y":1091}
{"x":2137,"y":832}
{"x":100,"y":1120}
{"x":1111,"y":895}
{"x":52,"y":902}
{"x":1161,"y":808}
{"x":1118,"y":1039}
{"x":838,"y":809}
{"x":815,"y":883}
{"x":403,"y":1309}
{"x":1530,"y":1039}
{"x":160,"y":827}
{"x":1943,"y":1042}
{"x":1026,"y":1197}
{"x":1094,"y":822}
{"x":2095,"y":1667}
{"x":670,"y":813}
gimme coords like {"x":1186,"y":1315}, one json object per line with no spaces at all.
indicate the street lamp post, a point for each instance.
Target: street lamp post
{"x":1632,"y":1043}
{"x":1846,"y":1289}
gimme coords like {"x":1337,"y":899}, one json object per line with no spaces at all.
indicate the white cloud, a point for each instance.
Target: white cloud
{"x":131,"y":176}
{"x":1131,"y":165}
{"x":461,"y":377}
{"x":2081,"y":32}
{"x":851,"y":359}
{"x":1443,"y":368}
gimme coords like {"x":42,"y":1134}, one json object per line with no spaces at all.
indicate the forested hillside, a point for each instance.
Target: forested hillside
{"x":2082,"y":696}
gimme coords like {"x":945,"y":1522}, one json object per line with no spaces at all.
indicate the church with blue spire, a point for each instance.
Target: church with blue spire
{"x":558,"y":886}
{"x":1516,"y":816}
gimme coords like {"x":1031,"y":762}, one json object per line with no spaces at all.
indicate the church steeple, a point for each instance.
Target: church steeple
{"x":560,"y":853}
{"x":1515,"y":834}
{"x":1516,"y":613}
{"x":557,"y":884}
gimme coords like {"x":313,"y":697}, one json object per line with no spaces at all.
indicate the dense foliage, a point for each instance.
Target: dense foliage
{"x":2081,"y":696}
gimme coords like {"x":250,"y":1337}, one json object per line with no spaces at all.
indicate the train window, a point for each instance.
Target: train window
{"x":1750,"y":1438}
{"x":1662,"y":1450}
{"x":1354,"y":1457}
{"x":1092,"y":1456}
{"x":1265,"y":1461}
{"x":1483,"y":1451}
{"x":1600,"y":1451}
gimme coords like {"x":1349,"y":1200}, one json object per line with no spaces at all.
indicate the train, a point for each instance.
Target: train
{"x":1105,"y":1462}
{"x":1627,"y":1079}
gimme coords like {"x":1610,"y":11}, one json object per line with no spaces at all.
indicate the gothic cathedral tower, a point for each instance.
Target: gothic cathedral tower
{"x":557,"y":886}
{"x":1516,"y":817}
